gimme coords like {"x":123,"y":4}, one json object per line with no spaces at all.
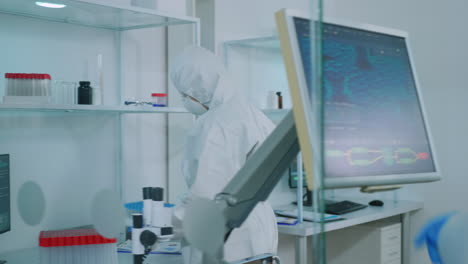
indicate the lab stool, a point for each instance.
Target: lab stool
{"x":261,"y":259}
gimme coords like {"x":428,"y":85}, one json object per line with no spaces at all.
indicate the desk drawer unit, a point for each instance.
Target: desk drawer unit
{"x":372,"y":243}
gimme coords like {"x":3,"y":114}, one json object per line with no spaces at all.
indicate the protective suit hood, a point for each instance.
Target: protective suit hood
{"x":198,"y":73}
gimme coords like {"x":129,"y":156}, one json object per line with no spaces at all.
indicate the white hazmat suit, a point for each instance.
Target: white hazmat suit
{"x":226,"y":132}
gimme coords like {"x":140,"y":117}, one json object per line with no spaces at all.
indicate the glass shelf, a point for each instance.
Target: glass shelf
{"x":276,"y":115}
{"x":91,"y":109}
{"x":258,"y":43}
{"x":94,"y":14}
{"x":271,"y":113}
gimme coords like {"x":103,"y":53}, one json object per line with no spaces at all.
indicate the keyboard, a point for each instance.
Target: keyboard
{"x":343,"y":207}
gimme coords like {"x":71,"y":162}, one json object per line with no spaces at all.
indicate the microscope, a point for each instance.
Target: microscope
{"x":153,"y":226}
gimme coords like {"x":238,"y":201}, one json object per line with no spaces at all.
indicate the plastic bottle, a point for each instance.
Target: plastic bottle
{"x":159,"y":99}
{"x":85,"y":93}
{"x":280,"y":100}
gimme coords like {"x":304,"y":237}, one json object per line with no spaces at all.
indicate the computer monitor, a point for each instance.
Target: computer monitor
{"x":5,"y":214}
{"x":293,"y":176}
{"x":375,"y":131}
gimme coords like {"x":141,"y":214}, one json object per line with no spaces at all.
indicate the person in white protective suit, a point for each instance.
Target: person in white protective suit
{"x":228,"y":129}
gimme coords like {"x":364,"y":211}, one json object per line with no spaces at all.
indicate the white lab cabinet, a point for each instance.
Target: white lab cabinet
{"x":74,"y":151}
{"x":373,"y":243}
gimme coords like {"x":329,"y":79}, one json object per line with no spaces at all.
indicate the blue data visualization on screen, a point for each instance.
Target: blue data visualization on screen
{"x":372,"y":113}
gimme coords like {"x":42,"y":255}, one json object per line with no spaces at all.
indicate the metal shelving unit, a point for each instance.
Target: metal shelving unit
{"x":106,"y":15}
{"x":92,"y":109}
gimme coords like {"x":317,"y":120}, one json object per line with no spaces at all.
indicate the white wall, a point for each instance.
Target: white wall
{"x":250,"y":67}
{"x":74,"y":156}
{"x":243,"y":18}
{"x":439,"y":48}
{"x":145,"y":138}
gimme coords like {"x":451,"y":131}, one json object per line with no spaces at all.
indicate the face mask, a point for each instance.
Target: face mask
{"x":194,"y":107}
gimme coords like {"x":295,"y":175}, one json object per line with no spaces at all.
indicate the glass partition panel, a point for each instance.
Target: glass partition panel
{"x":315,"y":83}
{"x":381,"y":101}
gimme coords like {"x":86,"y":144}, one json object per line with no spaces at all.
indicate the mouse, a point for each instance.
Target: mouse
{"x":376,"y":203}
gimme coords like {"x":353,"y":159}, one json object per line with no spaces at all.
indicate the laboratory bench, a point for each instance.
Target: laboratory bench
{"x":391,"y":208}
{"x":301,"y":232}
{"x":32,"y":256}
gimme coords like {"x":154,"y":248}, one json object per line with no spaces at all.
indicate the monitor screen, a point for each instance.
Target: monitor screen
{"x":373,"y":120}
{"x":4,"y":193}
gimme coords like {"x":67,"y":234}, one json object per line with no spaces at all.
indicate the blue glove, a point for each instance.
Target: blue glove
{"x":429,"y":235}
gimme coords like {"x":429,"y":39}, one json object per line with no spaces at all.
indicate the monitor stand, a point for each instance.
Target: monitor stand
{"x":332,"y":207}
{"x":308,"y":199}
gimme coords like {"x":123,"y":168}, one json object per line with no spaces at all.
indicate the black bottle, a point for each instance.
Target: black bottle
{"x":85,"y":93}
{"x":280,"y":100}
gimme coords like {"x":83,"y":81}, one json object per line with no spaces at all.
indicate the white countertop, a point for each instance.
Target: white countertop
{"x":32,"y":256}
{"x":369,"y":214}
